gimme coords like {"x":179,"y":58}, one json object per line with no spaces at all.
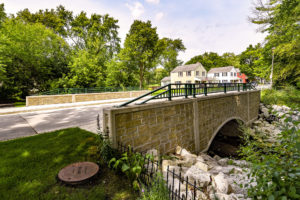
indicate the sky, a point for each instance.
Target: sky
{"x":203,"y":25}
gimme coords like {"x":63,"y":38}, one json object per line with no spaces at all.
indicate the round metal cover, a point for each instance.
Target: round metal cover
{"x":78,"y":172}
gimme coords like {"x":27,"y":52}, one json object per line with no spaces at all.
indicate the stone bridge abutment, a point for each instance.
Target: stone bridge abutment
{"x":191,"y":123}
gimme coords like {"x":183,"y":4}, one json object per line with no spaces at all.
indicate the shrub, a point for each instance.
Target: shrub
{"x":275,"y":167}
{"x":131,"y":164}
{"x":289,"y":96}
{"x":157,"y":190}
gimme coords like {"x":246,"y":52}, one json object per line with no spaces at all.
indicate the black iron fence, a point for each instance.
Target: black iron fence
{"x":179,"y":188}
{"x":190,"y":89}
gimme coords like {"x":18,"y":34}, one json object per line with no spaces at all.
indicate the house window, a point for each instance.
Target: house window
{"x":177,"y":82}
{"x":197,"y":73}
{"x":188,"y":73}
{"x":234,"y":74}
{"x":224,"y":73}
{"x":224,"y":81}
{"x":231,"y":73}
{"x":216,"y":74}
{"x":203,"y":74}
{"x":188,"y":81}
{"x":180,"y":74}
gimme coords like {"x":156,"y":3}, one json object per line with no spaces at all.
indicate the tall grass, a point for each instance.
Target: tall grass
{"x":289,"y":96}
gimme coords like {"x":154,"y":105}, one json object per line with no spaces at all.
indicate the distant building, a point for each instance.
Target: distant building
{"x":193,"y":73}
{"x":242,"y":76}
{"x":166,"y":81}
{"x":196,"y":73}
{"x":227,"y":74}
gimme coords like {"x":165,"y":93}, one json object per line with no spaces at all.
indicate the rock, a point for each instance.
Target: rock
{"x":187,"y":161}
{"x":200,"y":159}
{"x":217,"y":158}
{"x":201,"y":177}
{"x":186,"y":153}
{"x":166,"y":163}
{"x":265,"y":111}
{"x":154,"y":153}
{"x":241,"y":163}
{"x":202,"y":166}
{"x":176,"y":185}
{"x":223,"y":161}
{"x":178,"y":150}
{"x":221,"y":196}
{"x":220,"y":183}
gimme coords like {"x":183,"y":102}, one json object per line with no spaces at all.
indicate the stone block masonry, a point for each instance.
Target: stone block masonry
{"x":190,"y":123}
{"x":73,"y":98}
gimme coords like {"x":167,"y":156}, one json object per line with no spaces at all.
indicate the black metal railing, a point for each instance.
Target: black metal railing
{"x":190,"y":89}
{"x":183,"y":190}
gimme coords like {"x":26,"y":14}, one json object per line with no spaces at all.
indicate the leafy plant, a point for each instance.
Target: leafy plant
{"x":275,"y":167}
{"x":157,"y":190}
{"x":131,"y":164}
{"x":106,"y":152}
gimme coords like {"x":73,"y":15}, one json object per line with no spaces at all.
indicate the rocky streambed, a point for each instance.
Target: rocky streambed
{"x":226,"y":178}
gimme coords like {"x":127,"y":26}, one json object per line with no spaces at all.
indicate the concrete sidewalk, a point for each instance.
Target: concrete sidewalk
{"x":15,"y":110}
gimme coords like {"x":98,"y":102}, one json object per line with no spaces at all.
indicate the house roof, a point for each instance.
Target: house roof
{"x":167,"y":78}
{"x":221,"y":69}
{"x":185,"y":68}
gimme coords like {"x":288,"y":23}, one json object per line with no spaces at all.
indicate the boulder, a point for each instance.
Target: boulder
{"x":154,"y":153}
{"x":221,"y":196}
{"x":178,"y":150}
{"x":201,"y":177}
{"x":202,"y":166}
{"x":166,"y":163}
{"x":217,"y":158}
{"x":176,"y":185}
{"x":223,"y":161}
{"x":265,"y":111}
{"x":220,"y":183}
{"x":185,"y":153}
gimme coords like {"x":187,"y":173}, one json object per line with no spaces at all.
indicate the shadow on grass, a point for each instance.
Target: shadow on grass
{"x":29,"y":167}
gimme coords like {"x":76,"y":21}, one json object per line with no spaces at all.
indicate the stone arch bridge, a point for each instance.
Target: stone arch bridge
{"x":191,"y":123}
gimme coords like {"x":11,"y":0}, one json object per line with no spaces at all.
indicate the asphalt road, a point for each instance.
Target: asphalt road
{"x":26,"y":124}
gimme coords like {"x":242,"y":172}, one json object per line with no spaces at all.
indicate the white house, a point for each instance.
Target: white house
{"x":192,"y":73}
{"x":227,"y":74}
{"x":165,"y":81}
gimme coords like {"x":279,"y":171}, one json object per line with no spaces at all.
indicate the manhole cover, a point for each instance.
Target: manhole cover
{"x":79,"y":172}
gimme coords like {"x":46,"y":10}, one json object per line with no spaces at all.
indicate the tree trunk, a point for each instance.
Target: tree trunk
{"x":141,"y":76}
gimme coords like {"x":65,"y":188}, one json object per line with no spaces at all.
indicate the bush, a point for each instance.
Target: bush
{"x":157,"y":190}
{"x":289,"y":96}
{"x":275,"y":167}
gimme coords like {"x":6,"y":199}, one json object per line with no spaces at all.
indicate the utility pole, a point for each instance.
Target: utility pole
{"x":271,"y":75}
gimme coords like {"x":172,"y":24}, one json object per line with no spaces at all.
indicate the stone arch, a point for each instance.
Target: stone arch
{"x":220,"y":127}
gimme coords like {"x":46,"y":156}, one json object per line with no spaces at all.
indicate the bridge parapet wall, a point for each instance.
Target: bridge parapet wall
{"x":191,"y":123}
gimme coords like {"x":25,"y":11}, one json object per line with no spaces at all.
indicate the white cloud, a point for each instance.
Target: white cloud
{"x":137,"y":9}
{"x":153,"y":1}
{"x":159,"y":16}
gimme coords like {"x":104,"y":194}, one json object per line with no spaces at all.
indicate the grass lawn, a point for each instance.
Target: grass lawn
{"x":20,"y":104}
{"x":28,"y":168}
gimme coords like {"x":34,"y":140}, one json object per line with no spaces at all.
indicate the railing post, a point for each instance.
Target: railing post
{"x":238,"y":87}
{"x":194,"y":90}
{"x":169,"y":92}
{"x":185,"y":91}
{"x":224,"y":87}
{"x":205,"y":89}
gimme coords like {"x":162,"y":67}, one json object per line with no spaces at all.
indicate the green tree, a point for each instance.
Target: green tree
{"x":212,"y":60}
{"x":32,"y":57}
{"x":280,"y":19}
{"x":141,"y":48}
{"x":170,"y":53}
{"x":252,"y":62}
